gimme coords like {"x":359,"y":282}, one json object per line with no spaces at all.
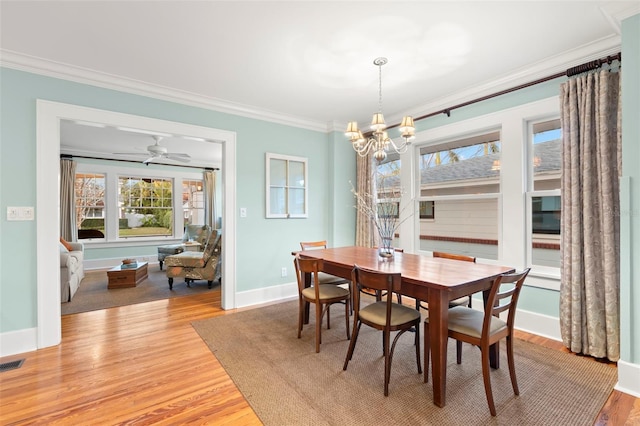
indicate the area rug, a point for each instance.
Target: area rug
{"x":287,"y":383}
{"x":93,"y":293}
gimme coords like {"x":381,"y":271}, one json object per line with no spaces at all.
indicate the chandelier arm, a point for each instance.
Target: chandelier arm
{"x":400,"y":149}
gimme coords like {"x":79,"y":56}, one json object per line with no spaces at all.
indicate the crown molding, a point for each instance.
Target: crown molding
{"x":550,"y":66}
{"x":619,"y":11}
{"x":32,"y":64}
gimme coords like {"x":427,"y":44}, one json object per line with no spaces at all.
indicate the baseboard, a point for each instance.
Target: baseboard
{"x":108,"y":263}
{"x":538,"y":324}
{"x":267,"y":295}
{"x":628,"y":378}
{"x":17,"y":342}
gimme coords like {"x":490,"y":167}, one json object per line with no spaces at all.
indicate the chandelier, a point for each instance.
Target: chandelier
{"x":379,"y":142}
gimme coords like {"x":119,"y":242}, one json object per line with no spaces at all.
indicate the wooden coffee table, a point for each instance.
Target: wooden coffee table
{"x":122,"y":276}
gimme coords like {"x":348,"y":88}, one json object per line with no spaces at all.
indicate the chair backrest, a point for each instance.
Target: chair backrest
{"x":454,"y":256}
{"x":504,"y":297}
{"x":213,"y":244}
{"x":310,"y":266}
{"x":376,"y":280}
{"x":197,"y":233}
{"x":313,"y":245}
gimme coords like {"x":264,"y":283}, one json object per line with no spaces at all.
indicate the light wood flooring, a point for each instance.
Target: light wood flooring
{"x":144,"y":364}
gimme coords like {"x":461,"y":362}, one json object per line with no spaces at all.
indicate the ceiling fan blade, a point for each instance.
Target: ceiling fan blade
{"x":148,"y":160}
{"x":176,"y":154}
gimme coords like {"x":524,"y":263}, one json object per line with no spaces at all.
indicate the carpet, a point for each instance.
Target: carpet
{"x":93,"y":293}
{"x":287,"y":383}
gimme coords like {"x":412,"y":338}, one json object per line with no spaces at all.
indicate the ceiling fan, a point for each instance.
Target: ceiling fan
{"x":157,"y":151}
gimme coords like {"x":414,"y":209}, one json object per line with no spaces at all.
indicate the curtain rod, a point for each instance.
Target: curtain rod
{"x":568,"y":73}
{"x":69,"y":156}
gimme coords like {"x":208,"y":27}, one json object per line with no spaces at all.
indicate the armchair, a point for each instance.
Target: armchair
{"x":193,"y":266}
{"x":197,"y":233}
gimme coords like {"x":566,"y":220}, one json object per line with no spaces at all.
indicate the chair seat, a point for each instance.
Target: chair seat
{"x":327,"y":291}
{"x":187,"y":259}
{"x":461,"y":301}
{"x":469,"y":321}
{"x":325,"y":278}
{"x":376,"y":313}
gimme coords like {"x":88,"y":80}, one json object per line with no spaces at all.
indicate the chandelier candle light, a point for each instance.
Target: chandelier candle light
{"x":379,"y":142}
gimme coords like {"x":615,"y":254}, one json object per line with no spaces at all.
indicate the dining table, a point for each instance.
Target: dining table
{"x":434,"y":280}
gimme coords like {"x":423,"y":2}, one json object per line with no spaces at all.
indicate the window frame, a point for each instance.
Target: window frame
{"x":514,"y":215}
{"x":286,"y":214}
{"x":112,"y":171}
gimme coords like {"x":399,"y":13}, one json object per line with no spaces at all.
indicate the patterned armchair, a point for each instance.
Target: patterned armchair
{"x":197,"y":233}
{"x":193,"y":266}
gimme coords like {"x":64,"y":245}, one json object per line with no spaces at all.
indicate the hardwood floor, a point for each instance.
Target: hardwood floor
{"x":145,"y":364}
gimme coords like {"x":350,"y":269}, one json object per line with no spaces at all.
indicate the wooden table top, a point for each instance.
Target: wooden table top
{"x":432,"y":272}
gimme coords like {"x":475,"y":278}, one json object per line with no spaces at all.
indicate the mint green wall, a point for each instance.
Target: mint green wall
{"x":630,"y":193}
{"x":263,"y":246}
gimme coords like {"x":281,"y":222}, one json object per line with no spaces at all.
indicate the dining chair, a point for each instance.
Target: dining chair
{"x":322,"y":296}
{"x":323,"y":276}
{"x":483,"y":329}
{"x":461,"y":301}
{"x":384,"y":315}
{"x":379,"y":294}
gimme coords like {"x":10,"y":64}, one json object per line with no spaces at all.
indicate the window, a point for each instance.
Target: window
{"x":546,"y":215}
{"x":286,"y":187}
{"x":146,"y":207}
{"x":90,"y":205}
{"x":544,"y":203}
{"x":461,"y":177}
{"x":427,"y":210}
{"x":193,"y":202}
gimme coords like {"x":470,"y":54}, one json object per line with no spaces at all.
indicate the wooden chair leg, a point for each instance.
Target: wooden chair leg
{"x":512,"y":366}
{"x":459,"y":351}
{"x":486,"y":371}
{"x":300,"y":316}
{"x":328,"y":308}
{"x":427,"y":352}
{"x":318,"y":326}
{"x":352,"y":345}
{"x":387,"y":362}
{"x":417,"y":344}
{"x":346,"y":317}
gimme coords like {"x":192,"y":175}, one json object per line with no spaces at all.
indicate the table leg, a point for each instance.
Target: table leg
{"x":494,"y":350}
{"x":438,"y":334}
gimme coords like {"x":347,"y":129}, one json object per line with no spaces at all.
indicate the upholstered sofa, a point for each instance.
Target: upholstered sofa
{"x":71,"y":270}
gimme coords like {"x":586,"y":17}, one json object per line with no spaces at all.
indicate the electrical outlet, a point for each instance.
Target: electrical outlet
{"x":284,"y":272}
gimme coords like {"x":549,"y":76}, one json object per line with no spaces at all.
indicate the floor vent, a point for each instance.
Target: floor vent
{"x":6,"y":366}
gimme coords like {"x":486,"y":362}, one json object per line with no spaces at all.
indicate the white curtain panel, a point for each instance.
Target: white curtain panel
{"x":590,"y":228}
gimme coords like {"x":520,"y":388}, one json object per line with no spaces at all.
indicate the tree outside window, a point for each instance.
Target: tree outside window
{"x":90,"y":194}
{"x":146,"y":207}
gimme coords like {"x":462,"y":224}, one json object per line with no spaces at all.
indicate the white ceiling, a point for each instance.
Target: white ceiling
{"x":308,"y":63}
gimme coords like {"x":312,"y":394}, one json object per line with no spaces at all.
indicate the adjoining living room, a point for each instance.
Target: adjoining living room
{"x":166,"y":225}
